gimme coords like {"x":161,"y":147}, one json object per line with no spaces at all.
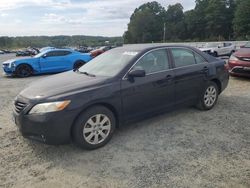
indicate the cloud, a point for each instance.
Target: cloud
{"x":90,"y":17}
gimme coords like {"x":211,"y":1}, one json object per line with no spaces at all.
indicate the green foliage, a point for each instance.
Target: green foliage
{"x":242,"y":19}
{"x":56,"y":41}
{"x":146,"y":24}
{"x":209,"y":20}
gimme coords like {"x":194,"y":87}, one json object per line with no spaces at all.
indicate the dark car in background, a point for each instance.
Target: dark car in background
{"x":239,"y":63}
{"x":27,"y":52}
{"x":84,"y":49}
{"x":124,"y":84}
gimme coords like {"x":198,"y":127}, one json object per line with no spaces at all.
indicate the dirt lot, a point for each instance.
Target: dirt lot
{"x":184,"y":148}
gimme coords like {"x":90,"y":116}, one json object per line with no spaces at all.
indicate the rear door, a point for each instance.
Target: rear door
{"x":55,"y":61}
{"x":191,"y":71}
{"x":153,"y":92}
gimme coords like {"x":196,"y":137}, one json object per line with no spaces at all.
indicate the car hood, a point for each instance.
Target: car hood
{"x":8,"y":61}
{"x":243,"y":52}
{"x":61,"y":84}
{"x":19,"y":60}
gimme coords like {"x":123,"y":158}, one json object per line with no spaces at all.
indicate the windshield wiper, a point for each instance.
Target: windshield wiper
{"x":86,"y":73}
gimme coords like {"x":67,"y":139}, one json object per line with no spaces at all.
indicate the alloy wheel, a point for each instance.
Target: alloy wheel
{"x":97,"y":129}
{"x":210,"y":96}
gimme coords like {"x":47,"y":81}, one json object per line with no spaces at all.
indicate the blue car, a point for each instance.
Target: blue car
{"x":50,"y":61}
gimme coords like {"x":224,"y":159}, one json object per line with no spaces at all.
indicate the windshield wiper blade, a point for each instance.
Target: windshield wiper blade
{"x":86,"y":73}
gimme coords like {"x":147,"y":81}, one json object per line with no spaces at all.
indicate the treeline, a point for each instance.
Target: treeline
{"x":57,"y":41}
{"x":210,"y":20}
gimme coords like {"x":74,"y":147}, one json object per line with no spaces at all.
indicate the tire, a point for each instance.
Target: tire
{"x":23,"y":71}
{"x":208,"y":97}
{"x":215,"y":54}
{"x":89,"y":133}
{"x":78,"y":64}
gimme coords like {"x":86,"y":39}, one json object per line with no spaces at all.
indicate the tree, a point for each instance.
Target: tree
{"x":146,"y":24}
{"x":241,"y":21}
{"x":174,"y":19}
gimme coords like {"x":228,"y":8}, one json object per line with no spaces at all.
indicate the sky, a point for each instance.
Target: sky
{"x":71,"y":17}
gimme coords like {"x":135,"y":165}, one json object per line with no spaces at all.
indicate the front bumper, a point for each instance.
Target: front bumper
{"x":50,"y":128}
{"x":8,"y":71}
{"x":239,"y":68}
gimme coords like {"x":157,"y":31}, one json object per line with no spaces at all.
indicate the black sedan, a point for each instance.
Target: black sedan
{"x":135,"y":81}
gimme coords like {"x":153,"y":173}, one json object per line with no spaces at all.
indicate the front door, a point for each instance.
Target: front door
{"x":53,"y":61}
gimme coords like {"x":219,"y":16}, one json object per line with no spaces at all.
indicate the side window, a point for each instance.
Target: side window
{"x":51,"y":54}
{"x":199,"y":59}
{"x":66,"y":52}
{"x":58,"y":53}
{"x":153,"y":62}
{"x":183,"y":57}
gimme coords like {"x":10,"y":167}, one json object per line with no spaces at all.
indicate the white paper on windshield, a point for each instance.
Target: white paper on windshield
{"x":130,"y":53}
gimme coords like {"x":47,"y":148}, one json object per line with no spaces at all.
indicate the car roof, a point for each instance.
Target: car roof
{"x":59,"y":49}
{"x":143,"y":48}
{"x":147,"y":47}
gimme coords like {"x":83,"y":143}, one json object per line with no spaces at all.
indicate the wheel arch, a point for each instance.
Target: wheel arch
{"x":21,"y":64}
{"x":107,"y":105}
{"x":218,"y":83}
{"x":78,"y":61}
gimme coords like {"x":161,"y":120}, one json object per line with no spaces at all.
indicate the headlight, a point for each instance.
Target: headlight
{"x":233,"y":58}
{"x":12,"y":65}
{"x":49,"y":107}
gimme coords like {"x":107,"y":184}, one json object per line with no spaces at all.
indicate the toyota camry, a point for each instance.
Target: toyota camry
{"x":85,"y":106}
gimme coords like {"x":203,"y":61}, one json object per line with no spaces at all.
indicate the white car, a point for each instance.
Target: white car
{"x":219,"y":48}
{"x":1,"y":52}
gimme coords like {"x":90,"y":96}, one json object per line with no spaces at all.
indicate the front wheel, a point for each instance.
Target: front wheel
{"x":94,"y":128}
{"x":215,"y":54}
{"x":209,"y":97}
{"x":23,"y":71}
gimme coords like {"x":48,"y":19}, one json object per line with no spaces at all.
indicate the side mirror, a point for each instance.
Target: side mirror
{"x":44,"y":56}
{"x":137,"y":73}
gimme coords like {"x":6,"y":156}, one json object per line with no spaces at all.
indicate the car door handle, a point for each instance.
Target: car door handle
{"x":169,"y":77}
{"x":205,"y":70}
{"x":165,"y":80}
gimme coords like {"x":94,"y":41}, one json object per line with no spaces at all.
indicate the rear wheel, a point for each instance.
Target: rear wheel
{"x":23,"y":71}
{"x":78,"y":64}
{"x":209,"y":97}
{"x":94,"y":128}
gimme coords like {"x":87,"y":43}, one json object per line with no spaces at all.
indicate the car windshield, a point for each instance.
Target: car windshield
{"x":40,"y":54}
{"x":108,"y":64}
{"x":211,"y":45}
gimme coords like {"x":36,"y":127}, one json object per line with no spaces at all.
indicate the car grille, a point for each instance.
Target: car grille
{"x":245,"y":59}
{"x":19,"y":106}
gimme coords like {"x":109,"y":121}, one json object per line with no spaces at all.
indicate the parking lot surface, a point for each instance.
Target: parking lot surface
{"x":183,"y":148}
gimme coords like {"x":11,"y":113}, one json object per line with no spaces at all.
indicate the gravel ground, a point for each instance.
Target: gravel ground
{"x":183,"y":148}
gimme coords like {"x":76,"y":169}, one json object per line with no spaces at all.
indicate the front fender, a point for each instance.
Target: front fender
{"x":34,"y":63}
